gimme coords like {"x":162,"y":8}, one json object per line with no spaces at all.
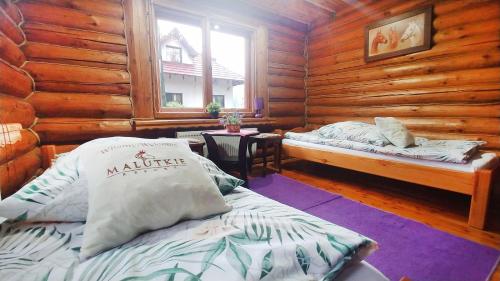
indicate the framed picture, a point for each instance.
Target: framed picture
{"x":400,"y":35}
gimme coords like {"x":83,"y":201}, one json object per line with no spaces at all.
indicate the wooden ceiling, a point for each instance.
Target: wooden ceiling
{"x":304,"y":11}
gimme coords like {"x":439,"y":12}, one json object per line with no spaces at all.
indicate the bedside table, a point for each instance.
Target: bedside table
{"x":264,"y":140}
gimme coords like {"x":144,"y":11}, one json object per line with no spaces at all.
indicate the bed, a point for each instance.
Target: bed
{"x":260,"y":239}
{"x":472,"y":178}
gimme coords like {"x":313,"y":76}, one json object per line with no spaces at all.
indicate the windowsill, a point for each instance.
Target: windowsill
{"x":147,"y":124}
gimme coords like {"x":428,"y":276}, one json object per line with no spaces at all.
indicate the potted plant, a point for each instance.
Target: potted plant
{"x":232,"y":122}
{"x":213,"y":109}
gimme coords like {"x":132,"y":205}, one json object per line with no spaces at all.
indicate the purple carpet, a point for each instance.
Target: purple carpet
{"x":407,"y":248}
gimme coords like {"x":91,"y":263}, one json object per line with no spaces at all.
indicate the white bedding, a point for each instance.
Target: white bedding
{"x":478,"y":162}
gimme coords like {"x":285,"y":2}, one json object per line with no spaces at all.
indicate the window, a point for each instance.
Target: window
{"x":172,"y":100}
{"x":172,"y":54}
{"x":220,"y":100}
{"x":199,"y":56}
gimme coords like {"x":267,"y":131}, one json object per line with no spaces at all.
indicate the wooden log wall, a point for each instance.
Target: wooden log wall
{"x":19,"y":160}
{"x":450,"y":91}
{"x":286,"y":74}
{"x":77,"y":54}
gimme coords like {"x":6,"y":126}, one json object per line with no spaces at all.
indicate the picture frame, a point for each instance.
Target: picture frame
{"x":403,"y":34}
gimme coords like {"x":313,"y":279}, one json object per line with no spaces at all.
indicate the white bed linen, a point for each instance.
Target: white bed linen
{"x":478,"y":162}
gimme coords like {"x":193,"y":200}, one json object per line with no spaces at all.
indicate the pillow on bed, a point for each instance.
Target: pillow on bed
{"x":46,"y":192}
{"x":353,"y":131}
{"x":394,"y":131}
{"x":142,"y":185}
{"x":60,"y":193}
{"x":223,"y":180}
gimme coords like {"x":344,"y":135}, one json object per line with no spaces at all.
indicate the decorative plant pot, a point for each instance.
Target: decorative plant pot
{"x":214,"y":115}
{"x":233,"y":128}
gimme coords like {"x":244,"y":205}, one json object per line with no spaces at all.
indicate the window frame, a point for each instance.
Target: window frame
{"x":205,"y":20}
{"x":175,"y":48}
{"x":175,"y":94}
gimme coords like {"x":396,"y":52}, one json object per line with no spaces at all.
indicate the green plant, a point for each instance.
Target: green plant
{"x":213,"y":108}
{"x":233,"y":118}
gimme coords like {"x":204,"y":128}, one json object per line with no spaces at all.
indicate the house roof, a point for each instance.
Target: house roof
{"x":195,"y":68}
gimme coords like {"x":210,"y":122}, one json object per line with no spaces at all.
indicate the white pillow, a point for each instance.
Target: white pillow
{"x":394,"y":131}
{"x":353,"y":131}
{"x":142,"y":185}
{"x":60,"y":193}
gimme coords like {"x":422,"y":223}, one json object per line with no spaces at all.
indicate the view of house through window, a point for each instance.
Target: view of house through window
{"x":180,"y":49}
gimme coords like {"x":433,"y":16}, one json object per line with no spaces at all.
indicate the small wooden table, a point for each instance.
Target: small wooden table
{"x":213,"y":150}
{"x":264,"y":140}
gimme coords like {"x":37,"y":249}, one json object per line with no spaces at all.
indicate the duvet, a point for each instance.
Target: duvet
{"x":260,"y":239}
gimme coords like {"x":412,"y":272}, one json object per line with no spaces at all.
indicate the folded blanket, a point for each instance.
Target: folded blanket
{"x":453,"y":151}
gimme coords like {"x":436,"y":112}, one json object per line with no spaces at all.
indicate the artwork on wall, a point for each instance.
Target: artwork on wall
{"x":400,"y":35}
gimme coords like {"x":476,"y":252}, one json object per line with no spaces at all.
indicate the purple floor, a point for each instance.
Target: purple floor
{"x":407,"y":248}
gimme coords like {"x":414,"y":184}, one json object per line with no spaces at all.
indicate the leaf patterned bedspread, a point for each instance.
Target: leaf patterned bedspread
{"x":260,"y":239}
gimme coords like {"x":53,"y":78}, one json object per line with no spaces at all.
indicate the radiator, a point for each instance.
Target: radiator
{"x":228,"y":146}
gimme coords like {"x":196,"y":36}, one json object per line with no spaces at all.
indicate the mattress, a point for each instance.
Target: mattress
{"x":479,"y":161}
{"x":452,"y":151}
{"x":260,"y":238}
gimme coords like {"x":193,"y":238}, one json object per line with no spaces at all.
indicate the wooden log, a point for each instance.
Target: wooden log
{"x":455,"y":110}
{"x":49,"y":51}
{"x":286,"y":93}
{"x":14,"y":82}
{"x":71,"y":41}
{"x":289,"y":122}
{"x":444,"y":7}
{"x":80,"y":105}
{"x":451,"y":78}
{"x":480,"y":11}
{"x":27,"y":143}
{"x":49,"y":14}
{"x":486,"y":126}
{"x":466,"y":94}
{"x":488,"y":58}
{"x":71,"y":73}
{"x":83,"y":63}
{"x":277,"y":109}
{"x":9,"y":28}
{"x":286,"y":72}
{"x":93,"y":36}
{"x":71,"y":130}
{"x":69,"y":87}
{"x":286,"y":58}
{"x":286,"y":82}
{"x":460,"y":31}
{"x":105,"y":8}
{"x":15,"y":110}
{"x":297,"y":68}
{"x":15,"y":173}
{"x":10,"y":52}
{"x":11,"y":10}
{"x":295,"y":48}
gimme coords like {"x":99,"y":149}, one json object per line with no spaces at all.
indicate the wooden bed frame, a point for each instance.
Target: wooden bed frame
{"x":476,"y":184}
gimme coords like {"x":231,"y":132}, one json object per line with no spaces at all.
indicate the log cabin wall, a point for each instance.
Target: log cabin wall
{"x":451,"y":91}
{"x":20,"y":156}
{"x":79,"y":59}
{"x":77,"y":56}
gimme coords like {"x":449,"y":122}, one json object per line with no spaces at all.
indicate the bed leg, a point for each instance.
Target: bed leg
{"x":480,"y":199}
